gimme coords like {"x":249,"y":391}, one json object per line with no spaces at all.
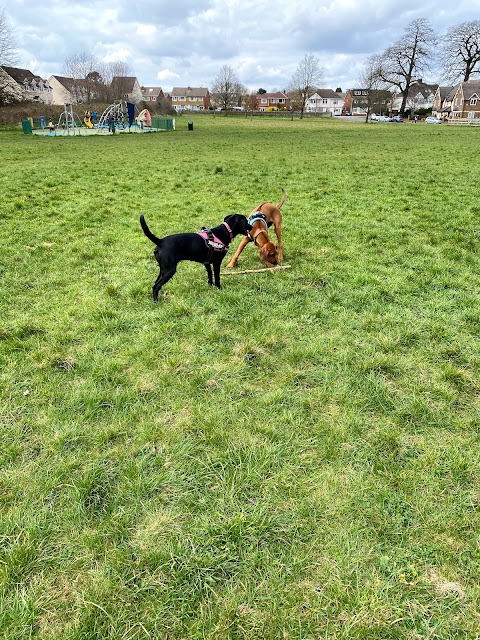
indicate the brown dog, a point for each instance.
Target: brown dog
{"x":261,"y":219}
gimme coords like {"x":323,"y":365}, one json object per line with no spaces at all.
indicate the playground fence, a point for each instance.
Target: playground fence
{"x":168,"y":124}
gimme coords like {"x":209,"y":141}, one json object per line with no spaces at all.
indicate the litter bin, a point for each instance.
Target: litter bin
{"x":190,"y":125}
{"x":26,"y":125}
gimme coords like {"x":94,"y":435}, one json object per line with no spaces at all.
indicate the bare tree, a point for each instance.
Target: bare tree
{"x":251,"y":101}
{"x":227,"y":90}
{"x":9,"y":92}
{"x":115,"y":73}
{"x":371,"y":81}
{"x":460,"y":51}
{"x":8,"y":54}
{"x":81,"y":67}
{"x":94,"y":79}
{"x":402,"y":63}
{"x":307,"y":77}
{"x":118,"y":69}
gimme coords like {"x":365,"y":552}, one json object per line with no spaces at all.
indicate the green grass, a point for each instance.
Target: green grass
{"x":295,"y":456}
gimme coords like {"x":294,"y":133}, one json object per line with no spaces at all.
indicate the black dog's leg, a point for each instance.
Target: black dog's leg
{"x":161,"y":280}
{"x":209,"y":273}
{"x":216,"y":273}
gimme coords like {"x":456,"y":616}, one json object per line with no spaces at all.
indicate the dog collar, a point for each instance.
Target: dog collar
{"x":228,"y":229}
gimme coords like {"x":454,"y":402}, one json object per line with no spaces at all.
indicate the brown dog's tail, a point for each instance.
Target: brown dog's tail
{"x":279,"y":205}
{"x":148,"y":233}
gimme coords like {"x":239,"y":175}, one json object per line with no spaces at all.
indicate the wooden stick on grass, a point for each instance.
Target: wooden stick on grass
{"x":237,"y":273}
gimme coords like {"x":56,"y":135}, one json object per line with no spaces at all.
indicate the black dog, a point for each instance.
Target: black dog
{"x":208,"y":247}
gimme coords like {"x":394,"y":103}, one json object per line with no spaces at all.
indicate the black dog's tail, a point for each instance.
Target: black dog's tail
{"x":148,"y":233}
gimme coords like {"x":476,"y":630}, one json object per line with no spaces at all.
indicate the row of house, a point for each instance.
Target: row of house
{"x":446,"y":103}
{"x":459,"y":101}
{"x":22,"y":84}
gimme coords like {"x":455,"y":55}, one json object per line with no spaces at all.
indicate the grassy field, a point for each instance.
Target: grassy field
{"x":293,"y":457}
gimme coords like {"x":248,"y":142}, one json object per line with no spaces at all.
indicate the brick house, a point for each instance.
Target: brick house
{"x":357,"y":101}
{"x":442,"y":101}
{"x":325,"y":101}
{"x":22,"y":84}
{"x":466,"y":100}
{"x":272,"y":100}
{"x":190,"y":99}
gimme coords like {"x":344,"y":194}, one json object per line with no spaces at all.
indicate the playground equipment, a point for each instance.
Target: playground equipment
{"x":69,"y":120}
{"x":87,"y":119}
{"x":144,"y":119}
{"x":115,"y":115}
{"x":119,"y":115}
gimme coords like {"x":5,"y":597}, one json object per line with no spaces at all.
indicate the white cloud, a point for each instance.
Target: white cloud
{"x":148,"y":31}
{"x":115,"y":53}
{"x":186,"y":42}
{"x":165,"y":75}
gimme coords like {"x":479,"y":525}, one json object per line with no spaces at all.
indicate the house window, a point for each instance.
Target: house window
{"x":357,"y":93}
{"x":471,"y":114}
{"x":324,"y":101}
{"x":174,"y":98}
{"x":473,"y":101}
{"x":264,"y":100}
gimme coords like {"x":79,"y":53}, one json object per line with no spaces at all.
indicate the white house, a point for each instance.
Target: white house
{"x":22,"y":84}
{"x":420,"y":96}
{"x":325,"y":101}
{"x":65,"y":89}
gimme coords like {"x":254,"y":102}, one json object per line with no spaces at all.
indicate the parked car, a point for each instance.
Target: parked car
{"x":397,"y":119}
{"x":376,"y":118}
{"x":432,"y":120}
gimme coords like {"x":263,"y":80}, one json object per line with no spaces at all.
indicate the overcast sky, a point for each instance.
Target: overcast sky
{"x":185,"y":42}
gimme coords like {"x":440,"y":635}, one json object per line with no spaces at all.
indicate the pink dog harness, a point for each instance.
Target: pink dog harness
{"x":213,"y":243}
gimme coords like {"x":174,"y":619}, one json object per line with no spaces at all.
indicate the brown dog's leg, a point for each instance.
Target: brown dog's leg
{"x":278,"y":233}
{"x":277,"y":225}
{"x":241,"y":247}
